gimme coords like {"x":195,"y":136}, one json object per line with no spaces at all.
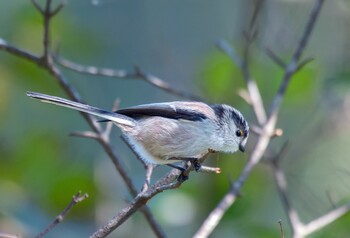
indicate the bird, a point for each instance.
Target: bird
{"x":169,"y":132}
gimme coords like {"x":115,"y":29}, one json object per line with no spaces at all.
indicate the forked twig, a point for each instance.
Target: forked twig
{"x":75,"y":200}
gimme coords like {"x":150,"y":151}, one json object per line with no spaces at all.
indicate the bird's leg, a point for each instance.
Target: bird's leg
{"x":192,"y":160}
{"x":182,"y":177}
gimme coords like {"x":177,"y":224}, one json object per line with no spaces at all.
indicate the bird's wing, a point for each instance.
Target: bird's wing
{"x":192,"y":111}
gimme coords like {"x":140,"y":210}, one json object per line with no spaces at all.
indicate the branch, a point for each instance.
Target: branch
{"x":18,"y":52}
{"x":299,"y":229}
{"x":255,"y":99}
{"x":169,"y":181}
{"x":6,"y":235}
{"x":281,"y":228}
{"x":138,"y":202}
{"x":48,"y":65}
{"x":75,"y":200}
{"x":293,"y":66}
{"x":268,"y":128}
{"x":123,"y":74}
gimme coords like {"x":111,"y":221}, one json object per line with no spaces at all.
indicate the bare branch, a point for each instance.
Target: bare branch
{"x":123,"y":74}
{"x":254,"y":93}
{"x":268,"y":129}
{"x":277,"y":60}
{"x":292,"y":67}
{"x":303,"y":63}
{"x":299,"y":229}
{"x":167,"y":182}
{"x":245,"y":96}
{"x":155,"y":81}
{"x":326,"y":219}
{"x":75,"y":200}
{"x":92,"y":70}
{"x":281,"y":228}
{"x":48,"y":65}
{"x":85,"y":134}
{"x":18,"y":52}
{"x":58,"y":9}
{"x":37,"y":6}
{"x":6,"y":235}
{"x":281,"y":183}
{"x":139,"y":201}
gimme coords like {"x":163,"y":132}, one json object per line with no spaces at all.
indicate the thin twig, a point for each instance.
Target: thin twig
{"x":299,"y":229}
{"x":303,"y":63}
{"x":85,"y":134}
{"x":263,"y":141}
{"x":281,"y":183}
{"x":75,"y":200}
{"x":325,"y":220}
{"x":281,"y":228}
{"x":123,"y":74}
{"x":38,"y":7}
{"x":6,"y":235}
{"x":277,"y":60}
{"x":255,"y":99}
{"x":4,"y":45}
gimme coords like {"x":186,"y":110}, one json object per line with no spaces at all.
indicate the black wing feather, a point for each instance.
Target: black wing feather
{"x":172,"y":113}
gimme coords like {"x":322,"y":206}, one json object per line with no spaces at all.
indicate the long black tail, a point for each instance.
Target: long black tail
{"x":110,"y":116}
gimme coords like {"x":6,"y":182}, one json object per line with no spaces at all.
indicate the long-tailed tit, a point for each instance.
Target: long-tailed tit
{"x":164,"y":133}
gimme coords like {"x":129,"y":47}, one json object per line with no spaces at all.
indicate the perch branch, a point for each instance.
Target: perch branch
{"x":167,"y":182}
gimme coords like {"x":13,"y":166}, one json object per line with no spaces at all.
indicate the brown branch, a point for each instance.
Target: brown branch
{"x":268,"y":128}
{"x":123,"y":74}
{"x":138,"y":202}
{"x":281,"y":228}
{"x":47,"y":64}
{"x":75,"y":200}
{"x":169,"y":181}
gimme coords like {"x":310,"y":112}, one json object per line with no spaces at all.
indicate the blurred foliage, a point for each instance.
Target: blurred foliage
{"x":58,"y":172}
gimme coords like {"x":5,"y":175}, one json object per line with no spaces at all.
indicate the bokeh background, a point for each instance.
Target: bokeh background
{"x":41,"y":167}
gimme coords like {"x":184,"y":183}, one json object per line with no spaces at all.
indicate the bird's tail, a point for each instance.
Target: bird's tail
{"x":111,"y":116}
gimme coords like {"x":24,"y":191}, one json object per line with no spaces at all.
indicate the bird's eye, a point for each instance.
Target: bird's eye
{"x":239,"y":133}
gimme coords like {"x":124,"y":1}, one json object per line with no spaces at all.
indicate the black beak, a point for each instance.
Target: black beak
{"x":241,"y":147}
